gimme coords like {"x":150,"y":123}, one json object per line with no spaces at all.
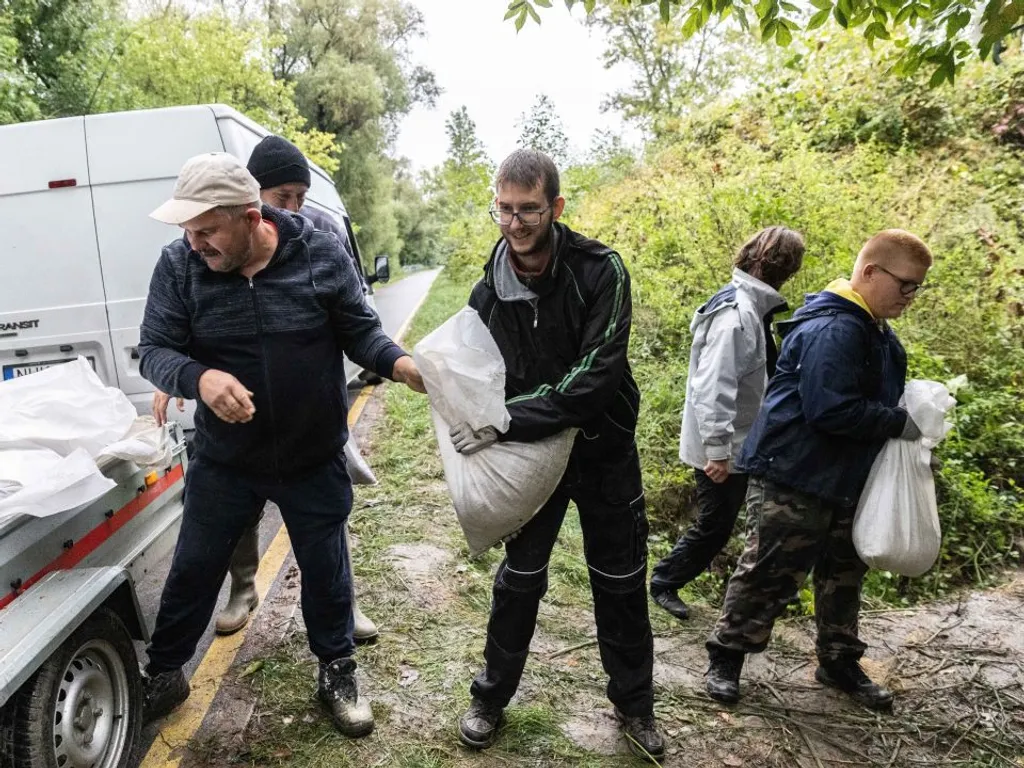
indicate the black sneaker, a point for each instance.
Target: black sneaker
{"x":163,"y":693}
{"x":723,"y":677}
{"x":339,"y":693}
{"x":642,"y":735}
{"x":478,"y":727}
{"x":849,"y":678}
{"x":669,"y":600}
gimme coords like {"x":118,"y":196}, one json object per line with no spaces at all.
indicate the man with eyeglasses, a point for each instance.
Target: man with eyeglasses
{"x":558,"y":305}
{"x":831,"y":406}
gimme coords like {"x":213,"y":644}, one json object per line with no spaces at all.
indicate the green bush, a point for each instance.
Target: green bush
{"x":678,"y":219}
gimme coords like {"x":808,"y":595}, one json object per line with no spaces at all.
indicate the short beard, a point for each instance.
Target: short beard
{"x":541,"y":244}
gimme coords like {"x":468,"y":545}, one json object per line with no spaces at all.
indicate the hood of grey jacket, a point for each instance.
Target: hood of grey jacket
{"x":727,"y":375}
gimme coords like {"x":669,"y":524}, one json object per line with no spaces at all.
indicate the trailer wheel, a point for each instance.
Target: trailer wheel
{"x":82,"y":708}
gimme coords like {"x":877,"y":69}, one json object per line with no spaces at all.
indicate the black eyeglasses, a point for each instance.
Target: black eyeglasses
{"x":526,"y":218}
{"x":908,"y":288}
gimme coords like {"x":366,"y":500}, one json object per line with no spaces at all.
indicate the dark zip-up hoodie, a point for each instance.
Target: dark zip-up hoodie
{"x":565,"y":350}
{"x":832,"y":403}
{"x":281,"y":334}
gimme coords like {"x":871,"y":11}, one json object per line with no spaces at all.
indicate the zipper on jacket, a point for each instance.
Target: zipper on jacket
{"x":266,"y":376}
{"x":536,"y":312}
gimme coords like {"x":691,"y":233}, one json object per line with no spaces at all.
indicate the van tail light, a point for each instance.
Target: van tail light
{"x":63,"y":183}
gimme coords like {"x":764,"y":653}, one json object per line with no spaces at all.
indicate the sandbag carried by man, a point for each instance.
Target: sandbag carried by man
{"x":249,"y":314}
{"x":558,"y":306}
{"x":829,"y":409}
{"x":732,"y":357}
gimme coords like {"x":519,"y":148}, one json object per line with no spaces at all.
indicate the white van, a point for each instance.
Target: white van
{"x":78,"y":246}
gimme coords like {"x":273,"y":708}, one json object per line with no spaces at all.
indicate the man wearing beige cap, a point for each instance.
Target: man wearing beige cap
{"x":249,"y":314}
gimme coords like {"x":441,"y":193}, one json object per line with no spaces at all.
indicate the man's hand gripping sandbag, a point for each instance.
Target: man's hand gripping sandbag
{"x":498,"y":487}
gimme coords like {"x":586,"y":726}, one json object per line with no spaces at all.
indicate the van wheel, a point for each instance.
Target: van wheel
{"x":83,"y":708}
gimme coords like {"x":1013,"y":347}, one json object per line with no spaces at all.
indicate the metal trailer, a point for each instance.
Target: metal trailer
{"x":70,"y":684}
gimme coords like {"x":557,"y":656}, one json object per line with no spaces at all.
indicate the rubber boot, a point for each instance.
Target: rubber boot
{"x":365,"y":630}
{"x":245,"y":560}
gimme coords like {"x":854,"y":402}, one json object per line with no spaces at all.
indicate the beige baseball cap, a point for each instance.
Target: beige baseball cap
{"x":205,"y":182}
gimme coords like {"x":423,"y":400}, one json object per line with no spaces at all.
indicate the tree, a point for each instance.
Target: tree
{"x":933,"y":33}
{"x":351,"y":69}
{"x":17,"y":102}
{"x":465,"y":149}
{"x":459,"y":191}
{"x":542,"y":129}
{"x":172,"y":58}
{"x":52,"y":47}
{"x":676,"y":74}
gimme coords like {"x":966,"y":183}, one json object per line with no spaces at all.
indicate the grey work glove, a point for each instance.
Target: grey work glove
{"x":468,"y":442}
{"x":910,"y":430}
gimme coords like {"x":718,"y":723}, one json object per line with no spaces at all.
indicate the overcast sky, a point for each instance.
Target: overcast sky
{"x":482,"y":63}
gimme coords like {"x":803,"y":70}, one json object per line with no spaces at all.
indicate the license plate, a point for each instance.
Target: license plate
{"x":24,"y":369}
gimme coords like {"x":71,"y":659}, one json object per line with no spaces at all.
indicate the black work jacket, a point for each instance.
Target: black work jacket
{"x":565,"y":354}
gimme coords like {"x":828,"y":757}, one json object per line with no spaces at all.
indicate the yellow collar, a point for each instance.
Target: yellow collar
{"x":842,"y":287}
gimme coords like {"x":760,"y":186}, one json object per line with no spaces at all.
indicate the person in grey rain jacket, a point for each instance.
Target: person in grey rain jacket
{"x":732,"y":357}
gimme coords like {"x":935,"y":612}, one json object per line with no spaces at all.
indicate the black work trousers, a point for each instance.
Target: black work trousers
{"x":718,"y":505}
{"x":609,"y":495}
{"x":220,"y":503}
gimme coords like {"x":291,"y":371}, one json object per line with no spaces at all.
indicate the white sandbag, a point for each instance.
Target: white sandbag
{"x":464,"y":372}
{"x":499,"y":489}
{"x":896,"y":526}
{"x":146,"y":444}
{"x":48,"y":483}
{"x":63,"y":408}
{"x":358,"y":470}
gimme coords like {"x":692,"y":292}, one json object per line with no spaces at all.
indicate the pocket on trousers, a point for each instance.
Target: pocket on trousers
{"x":639,"y":530}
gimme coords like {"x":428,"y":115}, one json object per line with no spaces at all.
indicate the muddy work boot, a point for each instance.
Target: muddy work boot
{"x":848,"y":677}
{"x":163,"y":693}
{"x":242,"y":601}
{"x":670,"y":601}
{"x":723,"y":677}
{"x":478,"y":727}
{"x":642,"y":735}
{"x":339,"y":693}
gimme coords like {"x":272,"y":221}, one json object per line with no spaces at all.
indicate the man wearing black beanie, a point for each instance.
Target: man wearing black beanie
{"x":276,"y":162}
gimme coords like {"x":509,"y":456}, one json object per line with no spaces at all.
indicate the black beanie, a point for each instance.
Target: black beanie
{"x":276,"y":161}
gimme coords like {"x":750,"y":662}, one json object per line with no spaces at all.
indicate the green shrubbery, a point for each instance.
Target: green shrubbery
{"x":838,"y":156}
{"x":829,"y":146}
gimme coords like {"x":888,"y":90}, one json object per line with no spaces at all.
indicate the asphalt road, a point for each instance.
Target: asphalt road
{"x":395,"y":303}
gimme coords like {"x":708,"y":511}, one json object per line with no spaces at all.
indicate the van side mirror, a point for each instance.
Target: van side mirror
{"x":381,"y":270}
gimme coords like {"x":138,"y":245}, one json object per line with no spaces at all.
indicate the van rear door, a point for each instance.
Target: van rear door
{"x":51,"y":282}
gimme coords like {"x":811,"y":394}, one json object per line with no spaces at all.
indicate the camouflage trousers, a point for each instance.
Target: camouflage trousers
{"x":789,"y":534}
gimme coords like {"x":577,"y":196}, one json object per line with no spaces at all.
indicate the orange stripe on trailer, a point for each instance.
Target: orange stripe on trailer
{"x":89,"y":543}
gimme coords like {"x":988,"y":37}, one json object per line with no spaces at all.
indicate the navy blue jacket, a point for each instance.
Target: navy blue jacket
{"x":281,"y":334}
{"x":832,"y":403}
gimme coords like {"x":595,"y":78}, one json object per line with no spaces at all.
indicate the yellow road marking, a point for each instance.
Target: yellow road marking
{"x":182,"y":725}
{"x":357,"y":407}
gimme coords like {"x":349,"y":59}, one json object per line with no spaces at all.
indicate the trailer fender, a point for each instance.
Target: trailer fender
{"x":41,"y":619}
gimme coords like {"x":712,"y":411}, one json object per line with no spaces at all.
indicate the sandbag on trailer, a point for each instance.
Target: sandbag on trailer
{"x":54,"y":426}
